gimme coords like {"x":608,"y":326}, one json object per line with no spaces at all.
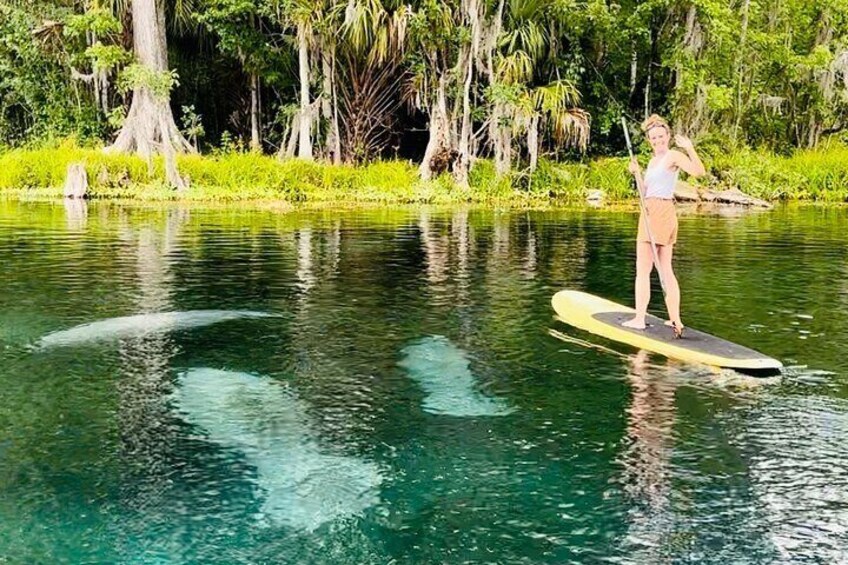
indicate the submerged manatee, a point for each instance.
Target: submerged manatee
{"x":304,"y":486}
{"x":442,"y":371}
{"x":141,"y":325}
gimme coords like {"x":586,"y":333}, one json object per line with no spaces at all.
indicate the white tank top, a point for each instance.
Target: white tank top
{"x":660,"y":180}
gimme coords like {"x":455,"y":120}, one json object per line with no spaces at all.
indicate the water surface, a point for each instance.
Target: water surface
{"x":386,"y":386}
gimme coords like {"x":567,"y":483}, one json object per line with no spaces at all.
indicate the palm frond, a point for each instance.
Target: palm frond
{"x":557,"y":96}
{"x":571,"y":128}
{"x":517,"y":67}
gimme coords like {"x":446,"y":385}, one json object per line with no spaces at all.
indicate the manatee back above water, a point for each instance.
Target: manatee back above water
{"x":141,"y":325}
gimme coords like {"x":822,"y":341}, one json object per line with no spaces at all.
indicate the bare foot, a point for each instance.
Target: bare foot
{"x":678,"y":329}
{"x":635,"y":323}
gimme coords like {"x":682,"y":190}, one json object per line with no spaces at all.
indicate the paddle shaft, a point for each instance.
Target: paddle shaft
{"x":644,"y":210}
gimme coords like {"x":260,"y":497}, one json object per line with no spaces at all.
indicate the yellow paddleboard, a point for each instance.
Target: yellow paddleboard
{"x":603,"y":317}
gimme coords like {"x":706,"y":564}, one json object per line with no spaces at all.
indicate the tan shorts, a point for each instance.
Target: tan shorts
{"x":663,"y":221}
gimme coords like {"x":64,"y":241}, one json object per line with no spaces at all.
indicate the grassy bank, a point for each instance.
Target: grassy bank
{"x":39,"y":173}
{"x":813,"y":175}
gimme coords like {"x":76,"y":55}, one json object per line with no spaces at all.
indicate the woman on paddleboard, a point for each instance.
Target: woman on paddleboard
{"x":660,"y":222}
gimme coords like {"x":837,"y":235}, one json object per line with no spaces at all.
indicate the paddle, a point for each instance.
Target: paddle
{"x":644,"y":209}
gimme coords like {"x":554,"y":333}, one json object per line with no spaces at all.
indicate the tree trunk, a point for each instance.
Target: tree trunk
{"x":463,"y":163}
{"x":337,"y":146}
{"x":650,"y":77}
{"x":76,"y":181}
{"x":305,"y":122}
{"x":291,"y":146}
{"x":497,"y":108}
{"x":503,"y":151}
{"x":533,"y":142}
{"x":255,"y":125}
{"x":740,"y":66}
{"x":96,"y":75}
{"x":329,"y":107}
{"x":150,"y":125}
{"x":455,"y":118}
{"x":326,"y":103}
{"x":103,"y":80}
{"x":814,"y":132}
{"x":439,"y":142}
{"x":465,"y":156}
{"x":648,"y":94}
{"x":634,"y":61}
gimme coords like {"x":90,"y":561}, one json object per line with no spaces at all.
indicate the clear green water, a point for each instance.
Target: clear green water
{"x":405,"y":402}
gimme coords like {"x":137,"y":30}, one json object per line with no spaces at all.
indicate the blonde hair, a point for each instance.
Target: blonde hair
{"x":654,"y":121}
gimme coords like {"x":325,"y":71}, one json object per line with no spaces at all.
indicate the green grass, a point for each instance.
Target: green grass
{"x":815,"y":174}
{"x":820,"y":175}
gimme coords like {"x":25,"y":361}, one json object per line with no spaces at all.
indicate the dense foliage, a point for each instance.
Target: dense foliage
{"x":442,"y":82}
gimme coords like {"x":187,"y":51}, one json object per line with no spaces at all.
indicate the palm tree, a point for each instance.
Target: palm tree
{"x":516,"y":49}
{"x":555,"y":105}
{"x":374,"y":41}
{"x":517,"y":108}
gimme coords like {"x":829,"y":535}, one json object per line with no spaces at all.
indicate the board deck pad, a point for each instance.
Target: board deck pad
{"x":692,"y":339}
{"x":604,"y":317}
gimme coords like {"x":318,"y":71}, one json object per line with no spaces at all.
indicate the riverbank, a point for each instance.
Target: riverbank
{"x":816,"y":175}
